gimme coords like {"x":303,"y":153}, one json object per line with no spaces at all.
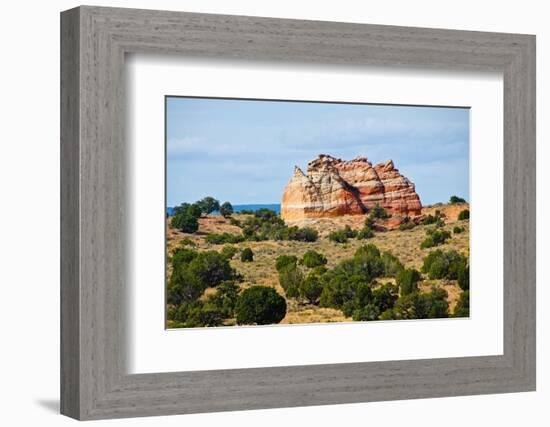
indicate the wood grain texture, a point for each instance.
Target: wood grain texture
{"x":94,"y":381}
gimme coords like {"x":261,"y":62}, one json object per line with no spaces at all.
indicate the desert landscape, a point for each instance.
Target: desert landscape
{"x":352,"y":242}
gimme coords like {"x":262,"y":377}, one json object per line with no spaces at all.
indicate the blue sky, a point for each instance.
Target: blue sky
{"x":245,"y":151}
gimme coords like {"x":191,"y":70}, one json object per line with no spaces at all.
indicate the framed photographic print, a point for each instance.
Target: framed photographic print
{"x":345,"y":212}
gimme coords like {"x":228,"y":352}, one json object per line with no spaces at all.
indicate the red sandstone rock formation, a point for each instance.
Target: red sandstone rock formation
{"x":334,"y":187}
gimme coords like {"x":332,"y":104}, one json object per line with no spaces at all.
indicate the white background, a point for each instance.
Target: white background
{"x":29,"y":218}
{"x":152,"y":349}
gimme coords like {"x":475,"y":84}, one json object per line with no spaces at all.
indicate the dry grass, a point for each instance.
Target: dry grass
{"x":403,"y":244}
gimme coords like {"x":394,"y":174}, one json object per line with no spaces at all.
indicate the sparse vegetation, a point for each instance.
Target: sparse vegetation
{"x":457,"y":229}
{"x":342,"y":235}
{"x":437,"y":219}
{"x":318,"y":280}
{"x":409,"y":225}
{"x":267,"y":225}
{"x":435,"y":237}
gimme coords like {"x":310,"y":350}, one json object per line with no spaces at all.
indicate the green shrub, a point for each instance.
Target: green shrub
{"x":365,"y":233}
{"x":283,"y":261}
{"x":445,"y":265}
{"x":378,"y":212}
{"x":198,"y":314}
{"x":462,"y":308}
{"x":311,"y":288}
{"x":435,"y":237}
{"x":267,"y":225}
{"x":358,"y":295}
{"x":225,"y":298}
{"x":187,"y":242}
{"x":312,"y":259}
{"x":338,"y":236}
{"x":306,"y":234}
{"x":409,"y":225}
{"x":418,"y":305}
{"x":180,"y":209}
{"x":457,"y":229}
{"x":185,"y":222}
{"x":407,"y":280}
{"x":235,"y":221}
{"x":347,"y":283}
{"x":247,"y":255}
{"x":260,"y":305}
{"x":221,"y":238}
{"x":229,"y":251}
{"x":392,"y":265}
{"x":455,"y":200}
{"x":465,"y":214}
{"x":208,"y":205}
{"x":384,"y":297}
{"x":368,"y":312}
{"x":182,"y":256}
{"x":436,"y":219}
{"x":342,"y":235}
{"x":463,"y":276}
{"x":290,"y":279}
{"x":193,"y":272}
{"x":226,"y":209}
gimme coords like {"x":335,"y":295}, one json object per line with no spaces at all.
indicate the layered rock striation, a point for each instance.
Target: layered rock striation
{"x":334,"y":187}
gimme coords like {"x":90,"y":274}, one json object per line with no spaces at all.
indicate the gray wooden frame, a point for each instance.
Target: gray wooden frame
{"x":94,"y":41}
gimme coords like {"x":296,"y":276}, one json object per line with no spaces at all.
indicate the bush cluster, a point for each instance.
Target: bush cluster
{"x":193,"y":272}
{"x":435,"y":237}
{"x":342,"y":235}
{"x":352,"y":286}
{"x":267,"y":225}
{"x":186,"y":218}
{"x":438,"y":219}
{"x":407,"y":280}
{"x":447,"y":265}
{"x":221,"y":238}
{"x":418,"y":305}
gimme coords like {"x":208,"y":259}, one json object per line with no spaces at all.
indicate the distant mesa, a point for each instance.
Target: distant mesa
{"x":334,"y":187}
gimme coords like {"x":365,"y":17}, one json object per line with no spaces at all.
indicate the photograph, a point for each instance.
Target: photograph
{"x":308,"y":212}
